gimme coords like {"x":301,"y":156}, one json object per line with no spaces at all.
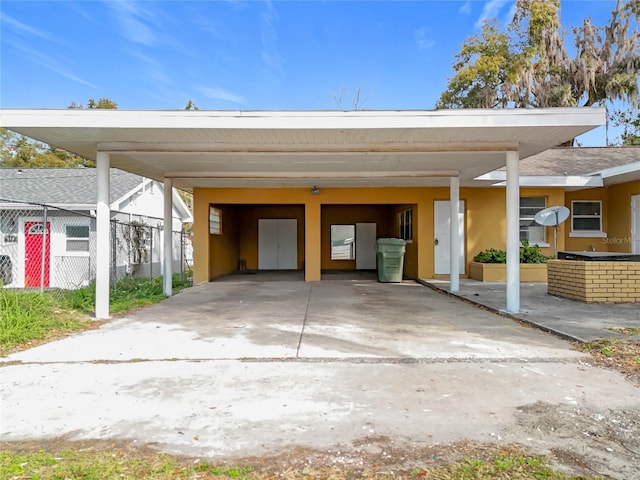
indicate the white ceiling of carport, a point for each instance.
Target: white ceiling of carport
{"x":302,"y":148}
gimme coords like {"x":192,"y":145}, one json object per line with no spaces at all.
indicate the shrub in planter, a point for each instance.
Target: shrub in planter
{"x":491,"y":256}
{"x":528,"y":254}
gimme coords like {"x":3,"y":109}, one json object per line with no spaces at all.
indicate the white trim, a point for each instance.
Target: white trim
{"x":587,"y":234}
{"x":619,"y":170}
{"x":500,"y":176}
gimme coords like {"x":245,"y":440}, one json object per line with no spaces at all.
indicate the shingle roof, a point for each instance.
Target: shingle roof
{"x":61,"y":185}
{"x":577,"y":160}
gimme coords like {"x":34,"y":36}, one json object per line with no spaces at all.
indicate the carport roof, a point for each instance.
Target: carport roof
{"x":305,"y":148}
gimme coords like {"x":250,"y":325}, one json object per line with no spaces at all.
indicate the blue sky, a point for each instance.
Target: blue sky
{"x":243,"y":55}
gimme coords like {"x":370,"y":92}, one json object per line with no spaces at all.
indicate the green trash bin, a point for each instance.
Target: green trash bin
{"x":390,"y":259}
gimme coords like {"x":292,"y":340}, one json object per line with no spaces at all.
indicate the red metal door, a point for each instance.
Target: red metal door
{"x":33,"y":233}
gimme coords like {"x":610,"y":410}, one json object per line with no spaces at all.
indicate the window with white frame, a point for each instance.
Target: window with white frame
{"x":77,"y":238}
{"x":405,"y":222}
{"x":529,"y":229}
{"x":215,"y":221}
{"x":586,"y":218}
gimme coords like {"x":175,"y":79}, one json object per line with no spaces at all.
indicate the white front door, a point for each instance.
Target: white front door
{"x":277,"y":244}
{"x":441,"y":219}
{"x":365,"y":246}
{"x":635,"y":224}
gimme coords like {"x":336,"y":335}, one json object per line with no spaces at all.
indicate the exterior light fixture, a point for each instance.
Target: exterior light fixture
{"x":315,"y":190}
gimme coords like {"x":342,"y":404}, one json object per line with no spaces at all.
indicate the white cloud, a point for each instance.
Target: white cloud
{"x":22,"y":28}
{"x":422,"y":39}
{"x":216,"y":93}
{"x":466,"y":8}
{"x":490,"y":10}
{"x":51,"y":64}
{"x":134,"y":22}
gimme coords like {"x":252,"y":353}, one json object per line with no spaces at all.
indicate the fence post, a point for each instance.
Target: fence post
{"x":43,"y":255}
{"x":182,"y":272}
{"x":150,"y":252}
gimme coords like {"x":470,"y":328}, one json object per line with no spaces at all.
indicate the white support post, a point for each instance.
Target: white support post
{"x":168,"y":238}
{"x":103,"y":235}
{"x":454,"y":234}
{"x":513,"y":232}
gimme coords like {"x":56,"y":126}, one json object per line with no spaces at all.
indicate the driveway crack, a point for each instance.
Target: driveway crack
{"x":304,"y":321}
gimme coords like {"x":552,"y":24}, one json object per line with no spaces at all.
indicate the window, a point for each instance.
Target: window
{"x":9,"y":230}
{"x":586,"y":218}
{"x":406,"y":224}
{"x":215,"y":221}
{"x":77,"y":238}
{"x":529,"y":229}
{"x":343,"y":246}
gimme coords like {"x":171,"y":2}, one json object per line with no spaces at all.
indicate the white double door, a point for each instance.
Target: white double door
{"x":442,"y":248}
{"x":277,"y":244}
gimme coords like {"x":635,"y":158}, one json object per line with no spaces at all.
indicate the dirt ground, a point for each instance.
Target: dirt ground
{"x":575,"y":441}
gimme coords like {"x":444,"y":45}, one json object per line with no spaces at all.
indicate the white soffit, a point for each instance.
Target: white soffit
{"x":298,"y":148}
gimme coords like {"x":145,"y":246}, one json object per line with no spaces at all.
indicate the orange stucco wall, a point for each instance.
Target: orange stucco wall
{"x":484,"y":223}
{"x":619,"y":216}
{"x":616,"y":218}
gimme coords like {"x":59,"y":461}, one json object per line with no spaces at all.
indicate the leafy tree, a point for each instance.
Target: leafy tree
{"x":527,"y":64}
{"x":102,"y":103}
{"x":191,"y":106}
{"x":629,"y":120}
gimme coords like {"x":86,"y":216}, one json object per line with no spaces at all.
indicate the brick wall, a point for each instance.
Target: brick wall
{"x":606,"y":282}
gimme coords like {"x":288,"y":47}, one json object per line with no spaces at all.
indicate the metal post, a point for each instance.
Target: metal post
{"x":513,"y":232}
{"x":454,"y":234}
{"x":167,"y":273}
{"x":150,"y":252}
{"x":103,"y":214}
{"x":43,"y":254}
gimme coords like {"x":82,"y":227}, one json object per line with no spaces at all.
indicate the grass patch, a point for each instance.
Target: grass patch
{"x":626,"y":330}
{"x":30,"y":316}
{"x":90,"y":464}
{"x":620,"y":354}
{"x":93,"y":465}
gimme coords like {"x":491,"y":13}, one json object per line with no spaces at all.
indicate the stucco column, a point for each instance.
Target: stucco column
{"x":513,"y":232}
{"x":454,"y":234}
{"x":312,"y":242}
{"x":103,"y":235}
{"x":167,"y":270}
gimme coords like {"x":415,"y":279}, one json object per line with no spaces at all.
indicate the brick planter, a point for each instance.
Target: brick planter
{"x":497,"y":272}
{"x":603,"y":282}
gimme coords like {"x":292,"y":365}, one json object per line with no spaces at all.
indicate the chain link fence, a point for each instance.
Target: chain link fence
{"x":43,"y":246}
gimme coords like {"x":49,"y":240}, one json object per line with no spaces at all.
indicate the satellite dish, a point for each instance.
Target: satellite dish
{"x":552,"y":217}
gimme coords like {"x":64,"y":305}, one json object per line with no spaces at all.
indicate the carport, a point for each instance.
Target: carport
{"x":299,"y":153}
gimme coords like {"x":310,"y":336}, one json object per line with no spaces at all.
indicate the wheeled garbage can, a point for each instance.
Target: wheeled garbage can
{"x":390,"y":259}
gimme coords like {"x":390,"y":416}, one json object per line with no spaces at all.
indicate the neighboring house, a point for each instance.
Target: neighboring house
{"x":69,"y":194}
{"x":599,"y":185}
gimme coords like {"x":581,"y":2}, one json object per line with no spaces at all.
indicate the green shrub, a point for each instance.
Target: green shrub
{"x":531,"y":253}
{"x":528,"y":254}
{"x":491,"y":256}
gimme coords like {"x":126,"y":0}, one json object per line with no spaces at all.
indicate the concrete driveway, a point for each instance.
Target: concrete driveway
{"x":254,"y":364}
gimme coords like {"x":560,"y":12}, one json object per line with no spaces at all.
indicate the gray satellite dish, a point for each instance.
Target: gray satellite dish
{"x":552,"y":217}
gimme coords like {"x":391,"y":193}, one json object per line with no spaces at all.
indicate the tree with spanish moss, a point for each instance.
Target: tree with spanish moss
{"x":527,"y":65}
